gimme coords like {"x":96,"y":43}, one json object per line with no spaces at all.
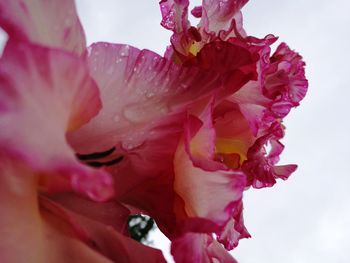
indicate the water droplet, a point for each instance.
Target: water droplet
{"x":134,"y":113}
{"x":149,"y":94}
{"x":130,"y":145}
{"x":184,"y":86}
{"x":124,"y":51}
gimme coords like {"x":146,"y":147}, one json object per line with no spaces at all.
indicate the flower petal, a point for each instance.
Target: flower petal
{"x":29,"y":234}
{"x":234,"y":229}
{"x":210,"y":195}
{"x":49,"y":23}
{"x":197,"y":247}
{"x":175,"y":18}
{"x":200,"y":138}
{"x":109,"y":213}
{"x":260,"y":166}
{"x":174,"y":15}
{"x":286,"y":84}
{"x":222,"y":16}
{"x":138,"y":88}
{"x":281,"y":85}
{"x":47,"y":92}
{"x":104,"y":239}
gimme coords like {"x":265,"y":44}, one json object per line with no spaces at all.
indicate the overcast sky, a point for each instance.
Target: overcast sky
{"x":307,"y":218}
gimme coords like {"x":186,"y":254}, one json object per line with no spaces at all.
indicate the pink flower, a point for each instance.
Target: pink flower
{"x":178,"y":137}
{"x":225,"y":138}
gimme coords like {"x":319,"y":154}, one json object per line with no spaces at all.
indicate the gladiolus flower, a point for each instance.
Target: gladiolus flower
{"x":92,"y":135}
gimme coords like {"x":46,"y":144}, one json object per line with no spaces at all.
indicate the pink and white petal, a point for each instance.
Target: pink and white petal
{"x":138,"y":88}
{"x":45,"y":93}
{"x":222,"y":16}
{"x":250,"y":98}
{"x":174,"y":15}
{"x":211,"y":195}
{"x":175,"y":18}
{"x":198,"y":247}
{"x":285,"y":83}
{"x":218,"y":254}
{"x":234,"y":229}
{"x":102,"y":238}
{"x":257,"y":115}
{"x":49,"y":23}
{"x":260,"y":165}
{"x":284,"y":171}
{"x":199,"y":135}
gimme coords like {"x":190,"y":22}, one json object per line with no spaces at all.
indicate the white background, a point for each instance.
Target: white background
{"x":307,"y":218}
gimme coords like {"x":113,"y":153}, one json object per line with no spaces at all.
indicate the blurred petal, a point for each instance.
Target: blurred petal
{"x":103,"y":238}
{"x":109,"y":213}
{"x":28,"y":233}
{"x":47,"y":92}
{"x":48,"y":23}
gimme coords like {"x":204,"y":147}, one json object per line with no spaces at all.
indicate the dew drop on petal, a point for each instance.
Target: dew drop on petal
{"x":149,"y":94}
{"x":184,"y":86}
{"x":124,"y":51}
{"x":134,"y":113}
